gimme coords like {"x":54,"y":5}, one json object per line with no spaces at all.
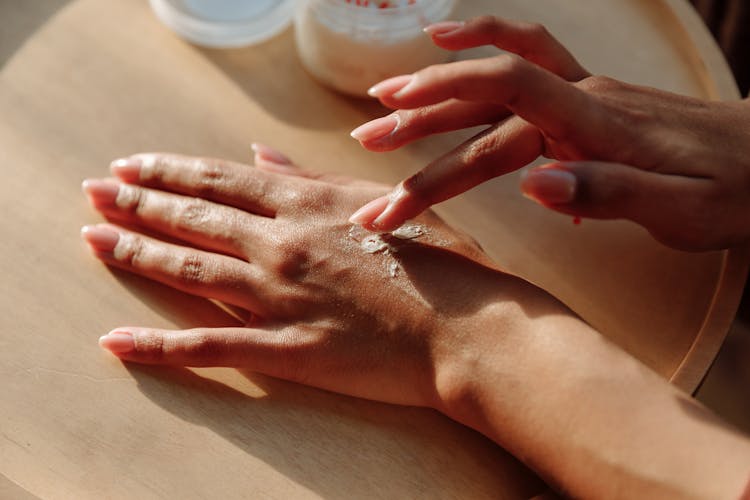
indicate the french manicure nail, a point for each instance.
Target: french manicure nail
{"x":552,"y":186}
{"x":270,"y":154}
{"x":389,"y":86}
{"x":101,"y":192}
{"x":385,"y":221}
{"x":443,"y":28}
{"x":102,"y":238}
{"x":118,"y":342}
{"x":368,"y":212}
{"x":376,"y":129}
{"x":127,"y":169}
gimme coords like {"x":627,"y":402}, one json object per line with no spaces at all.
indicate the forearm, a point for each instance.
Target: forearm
{"x":596,"y":422}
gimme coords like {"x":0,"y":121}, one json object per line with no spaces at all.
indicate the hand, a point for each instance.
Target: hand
{"x":679,"y":166}
{"x":396,"y":322}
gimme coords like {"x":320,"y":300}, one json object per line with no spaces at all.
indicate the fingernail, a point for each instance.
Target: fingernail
{"x":269,"y":154}
{"x":376,"y":129}
{"x":102,"y":238}
{"x":443,"y":28}
{"x":118,"y":342}
{"x":269,"y":166}
{"x":368,"y":212}
{"x":127,"y":169}
{"x":551,"y":186}
{"x":385,"y":221}
{"x":100,"y":192}
{"x":389,"y":86}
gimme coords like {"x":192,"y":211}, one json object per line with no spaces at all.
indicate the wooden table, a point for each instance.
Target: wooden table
{"x":85,"y":81}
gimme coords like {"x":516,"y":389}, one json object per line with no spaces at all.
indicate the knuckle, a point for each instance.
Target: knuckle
{"x":153,"y":345}
{"x":481,"y":153}
{"x":486,"y":24}
{"x":433,"y":72}
{"x":417,"y":188}
{"x":599,"y":84}
{"x":191,"y":270}
{"x":131,"y":250}
{"x":510,"y":63}
{"x":293,"y":260}
{"x":201,"y":346}
{"x":537,"y":31}
{"x":192,"y":214}
{"x":310,"y":199}
{"x":154,"y":168}
{"x":132,"y":198}
{"x":209,"y":177}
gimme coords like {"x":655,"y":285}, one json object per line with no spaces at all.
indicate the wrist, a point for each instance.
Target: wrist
{"x":477,"y":371}
{"x":582,"y":413}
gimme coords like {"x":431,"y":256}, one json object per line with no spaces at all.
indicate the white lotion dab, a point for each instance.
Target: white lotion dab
{"x":387,"y":243}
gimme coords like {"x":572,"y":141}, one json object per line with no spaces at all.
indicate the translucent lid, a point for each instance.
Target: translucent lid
{"x":225,"y":23}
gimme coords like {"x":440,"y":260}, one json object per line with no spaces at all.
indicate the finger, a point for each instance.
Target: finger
{"x":669,"y":206}
{"x":269,"y":159}
{"x":202,"y":223}
{"x":228,"y":183}
{"x":267,"y":351}
{"x":193,"y":271}
{"x":500,"y":149}
{"x":557,"y":107}
{"x":402,"y":127}
{"x":531,"y":41}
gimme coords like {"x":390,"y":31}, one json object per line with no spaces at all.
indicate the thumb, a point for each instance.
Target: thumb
{"x":671,"y":207}
{"x":278,"y":353}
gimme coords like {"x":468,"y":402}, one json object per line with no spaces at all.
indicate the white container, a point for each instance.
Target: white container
{"x":225,"y":23}
{"x":350,"y":47}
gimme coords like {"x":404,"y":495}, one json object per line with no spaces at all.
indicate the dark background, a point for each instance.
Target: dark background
{"x":729,"y":21}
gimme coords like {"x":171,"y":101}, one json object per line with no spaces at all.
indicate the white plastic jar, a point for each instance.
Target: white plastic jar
{"x":349,"y":45}
{"x":225,"y":23}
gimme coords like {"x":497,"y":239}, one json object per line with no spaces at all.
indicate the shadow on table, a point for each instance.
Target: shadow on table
{"x":336,"y":446}
{"x":259,"y":70}
{"x":316,"y":438}
{"x":27,"y":17}
{"x":181,"y":309}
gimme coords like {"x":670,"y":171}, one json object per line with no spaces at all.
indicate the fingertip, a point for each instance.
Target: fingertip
{"x":118,"y":342}
{"x":369,"y":212}
{"x":269,"y":154}
{"x":549,"y":185}
{"x":443,"y":28}
{"x":389,"y":86}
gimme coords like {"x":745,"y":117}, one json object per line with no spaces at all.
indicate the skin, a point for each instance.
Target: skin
{"x":485,"y":348}
{"x":677,"y":165}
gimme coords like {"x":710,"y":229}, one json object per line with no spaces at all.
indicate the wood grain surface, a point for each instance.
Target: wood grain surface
{"x":86,"y":81}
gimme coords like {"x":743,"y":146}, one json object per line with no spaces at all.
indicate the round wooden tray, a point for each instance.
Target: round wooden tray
{"x":86,"y":81}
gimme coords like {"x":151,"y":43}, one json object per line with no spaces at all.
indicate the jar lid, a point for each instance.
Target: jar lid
{"x":225,"y":23}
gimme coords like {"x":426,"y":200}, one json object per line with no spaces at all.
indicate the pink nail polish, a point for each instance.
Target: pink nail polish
{"x":389,"y":86}
{"x":549,"y":186}
{"x":268,"y":166}
{"x":386,"y":220}
{"x":100,"y":192}
{"x":102,"y":238}
{"x":376,"y":129}
{"x":118,"y":342}
{"x":269,"y":154}
{"x":127,"y":169}
{"x":368,"y":212}
{"x":443,"y":28}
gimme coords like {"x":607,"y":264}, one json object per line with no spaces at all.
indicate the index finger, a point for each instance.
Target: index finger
{"x":531,"y":41}
{"x":540,"y":97}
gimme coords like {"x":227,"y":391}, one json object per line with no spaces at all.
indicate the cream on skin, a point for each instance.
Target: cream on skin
{"x":483,"y":347}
